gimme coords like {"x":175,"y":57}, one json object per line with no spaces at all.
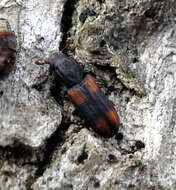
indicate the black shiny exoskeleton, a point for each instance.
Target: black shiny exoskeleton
{"x":85,"y":94}
{"x":65,"y":70}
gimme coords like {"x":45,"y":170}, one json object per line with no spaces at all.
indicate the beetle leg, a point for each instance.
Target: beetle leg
{"x":68,"y":42}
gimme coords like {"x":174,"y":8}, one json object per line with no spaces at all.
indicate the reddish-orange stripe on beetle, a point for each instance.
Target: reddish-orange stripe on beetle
{"x":91,"y":85}
{"x":77,"y":96}
{"x":113,"y":117}
{"x":102,"y":127}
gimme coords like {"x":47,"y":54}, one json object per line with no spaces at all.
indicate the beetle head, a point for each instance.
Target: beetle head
{"x":65,"y":69}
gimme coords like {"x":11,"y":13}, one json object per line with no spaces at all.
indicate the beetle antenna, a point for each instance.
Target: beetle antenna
{"x":40,"y":63}
{"x":68,"y":42}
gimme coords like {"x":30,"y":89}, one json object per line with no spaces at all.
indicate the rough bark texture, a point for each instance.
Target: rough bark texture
{"x":28,"y":115}
{"x":130,"y":48}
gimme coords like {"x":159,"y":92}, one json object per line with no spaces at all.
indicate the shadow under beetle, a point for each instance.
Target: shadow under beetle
{"x":93,"y":105}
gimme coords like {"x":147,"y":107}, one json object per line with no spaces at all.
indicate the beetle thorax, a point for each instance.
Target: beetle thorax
{"x":65,"y":70}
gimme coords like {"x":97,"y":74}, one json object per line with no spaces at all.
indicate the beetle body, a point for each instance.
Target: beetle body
{"x":95,"y":107}
{"x":8,"y":46}
{"x":85,"y":94}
